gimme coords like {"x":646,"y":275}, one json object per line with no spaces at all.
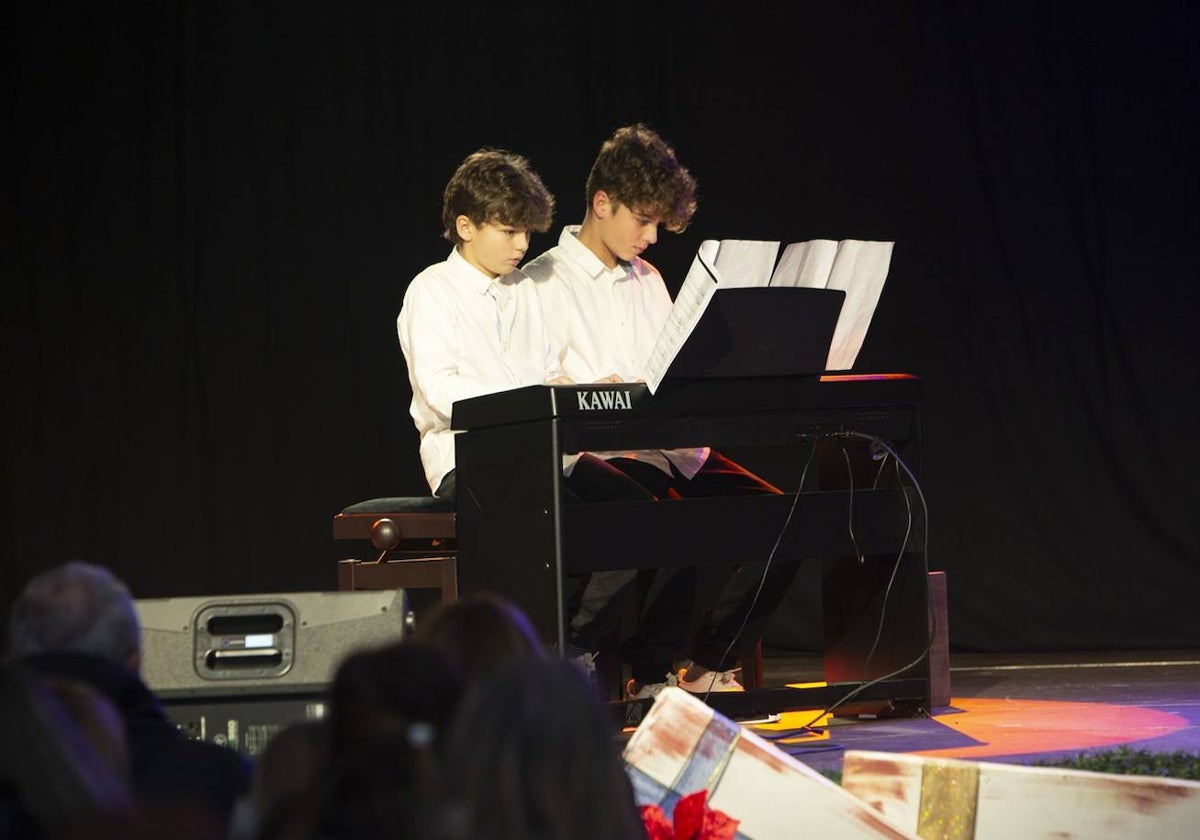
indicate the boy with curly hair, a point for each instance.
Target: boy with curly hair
{"x":605,"y":306}
{"x":471,"y":324}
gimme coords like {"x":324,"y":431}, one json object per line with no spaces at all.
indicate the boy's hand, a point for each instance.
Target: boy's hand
{"x":612,"y":377}
{"x":560,"y":380}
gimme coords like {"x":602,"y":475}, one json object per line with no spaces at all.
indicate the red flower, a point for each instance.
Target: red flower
{"x":693,"y":820}
{"x":657,"y":826}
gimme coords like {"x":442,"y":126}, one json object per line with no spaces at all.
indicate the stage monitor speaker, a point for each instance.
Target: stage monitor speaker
{"x":237,"y":645}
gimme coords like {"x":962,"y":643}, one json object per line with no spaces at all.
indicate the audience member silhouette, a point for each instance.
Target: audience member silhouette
{"x":372,"y":766}
{"x":97,"y":719}
{"x":480,"y":632}
{"x":63,"y":756}
{"x":78,"y":622}
{"x":388,"y":709}
{"x":532,"y":753}
{"x":285,"y":773}
{"x":387,"y":690}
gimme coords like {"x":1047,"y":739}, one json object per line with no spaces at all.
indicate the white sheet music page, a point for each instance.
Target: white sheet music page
{"x":857,"y":267}
{"x":860,"y":270}
{"x":697,"y":290}
{"x":806,"y":264}
{"x":745,"y":262}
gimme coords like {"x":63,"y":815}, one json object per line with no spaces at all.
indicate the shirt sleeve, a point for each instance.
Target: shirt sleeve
{"x":553,"y":355}
{"x":429,"y":329}
{"x":556,"y":315}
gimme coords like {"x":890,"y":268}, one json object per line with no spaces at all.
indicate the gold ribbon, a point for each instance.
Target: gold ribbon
{"x":949,"y":794}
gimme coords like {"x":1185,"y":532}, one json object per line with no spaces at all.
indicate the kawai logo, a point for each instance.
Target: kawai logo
{"x":598,"y":400}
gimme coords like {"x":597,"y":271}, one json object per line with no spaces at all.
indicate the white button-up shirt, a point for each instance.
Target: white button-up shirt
{"x":606,"y":321}
{"x":464,"y":335}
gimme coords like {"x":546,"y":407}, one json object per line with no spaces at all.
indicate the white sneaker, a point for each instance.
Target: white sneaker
{"x":586,"y":662}
{"x":648,"y":691}
{"x":711,"y":681}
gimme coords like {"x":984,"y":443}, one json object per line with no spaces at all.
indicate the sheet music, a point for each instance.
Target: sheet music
{"x":697,"y":290}
{"x":806,"y":264}
{"x":860,"y":270}
{"x":857,"y":267}
{"x":745,"y":262}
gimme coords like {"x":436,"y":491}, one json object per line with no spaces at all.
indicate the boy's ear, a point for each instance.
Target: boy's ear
{"x":602,"y":205}
{"x":465,"y":228}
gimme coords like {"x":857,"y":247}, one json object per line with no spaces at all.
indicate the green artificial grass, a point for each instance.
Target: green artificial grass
{"x":1126,"y":762}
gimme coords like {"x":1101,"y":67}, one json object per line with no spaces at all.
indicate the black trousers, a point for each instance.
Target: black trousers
{"x":674,"y":622}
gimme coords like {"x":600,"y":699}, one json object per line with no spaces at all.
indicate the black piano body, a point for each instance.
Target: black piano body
{"x":518,"y":538}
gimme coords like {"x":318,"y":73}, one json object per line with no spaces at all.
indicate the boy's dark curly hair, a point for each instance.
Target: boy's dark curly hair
{"x":496,"y":186}
{"x":637,"y":168}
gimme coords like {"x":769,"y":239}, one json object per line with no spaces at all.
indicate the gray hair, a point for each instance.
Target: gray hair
{"x":76,"y":607}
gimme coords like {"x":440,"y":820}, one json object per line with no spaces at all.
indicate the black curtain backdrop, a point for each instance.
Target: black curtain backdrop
{"x":211,"y":211}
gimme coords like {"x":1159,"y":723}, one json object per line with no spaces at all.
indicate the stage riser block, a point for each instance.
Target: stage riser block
{"x":942,"y":797}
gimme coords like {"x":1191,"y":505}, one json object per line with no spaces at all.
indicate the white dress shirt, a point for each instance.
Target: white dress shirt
{"x":606,"y":321}
{"x":464,"y":335}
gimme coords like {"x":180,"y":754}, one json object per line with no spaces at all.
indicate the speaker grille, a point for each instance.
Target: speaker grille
{"x":271,"y":643}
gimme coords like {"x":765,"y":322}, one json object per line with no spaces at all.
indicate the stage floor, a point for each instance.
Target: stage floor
{"x":1016,"y":707}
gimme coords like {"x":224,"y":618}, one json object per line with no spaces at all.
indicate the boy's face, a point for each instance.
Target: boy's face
{"x":492,"y":247}
{"x":625,"y":232}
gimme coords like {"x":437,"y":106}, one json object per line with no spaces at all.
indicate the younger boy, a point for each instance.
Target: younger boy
{"x":471,"y":325}
{"x":605,"y":306}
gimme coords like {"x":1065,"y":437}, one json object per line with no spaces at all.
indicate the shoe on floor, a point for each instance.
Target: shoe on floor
{"x":635,"y":690}
{"x":586,"y":662}
{"x":710,"y":681}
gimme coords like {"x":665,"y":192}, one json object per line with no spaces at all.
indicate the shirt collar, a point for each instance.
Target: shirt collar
{"x":478,"y":281}
{"x":587,"y":260}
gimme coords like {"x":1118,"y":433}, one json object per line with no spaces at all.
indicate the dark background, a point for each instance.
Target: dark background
{"x":211,"y":210}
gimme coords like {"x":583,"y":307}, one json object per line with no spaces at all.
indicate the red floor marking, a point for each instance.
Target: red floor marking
{"x":1017,"y":727}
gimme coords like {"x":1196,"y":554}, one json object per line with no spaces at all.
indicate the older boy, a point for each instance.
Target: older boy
{"x":471,"y":325}
{"x":605,"y":306}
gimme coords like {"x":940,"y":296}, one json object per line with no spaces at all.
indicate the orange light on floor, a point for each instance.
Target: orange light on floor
{"x":1008,"y":727}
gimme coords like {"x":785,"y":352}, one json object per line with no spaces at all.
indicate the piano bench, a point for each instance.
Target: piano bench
{"x":415,"y":542}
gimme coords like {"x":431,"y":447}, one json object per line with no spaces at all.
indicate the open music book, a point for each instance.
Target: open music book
{"x":857,"y":268}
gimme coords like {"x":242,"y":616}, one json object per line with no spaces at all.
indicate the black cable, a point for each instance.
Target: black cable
{"x":766,"y":568}
{"x":916,"y":485}
{"x":807,"y":749}
{"x":858,"y":555}
{"x":887,"y":592}
{"x":883,"y":462}
{"x":784,"y":734}
{"x":925,"y":562}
